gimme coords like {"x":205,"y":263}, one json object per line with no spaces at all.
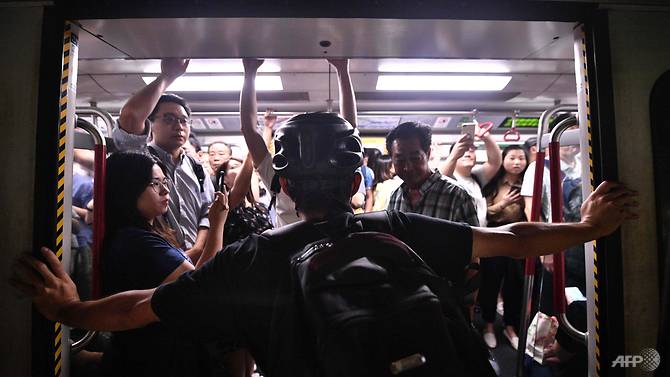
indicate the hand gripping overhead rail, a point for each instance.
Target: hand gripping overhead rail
{"x":100,"y":149}
{"x":556,"y":207}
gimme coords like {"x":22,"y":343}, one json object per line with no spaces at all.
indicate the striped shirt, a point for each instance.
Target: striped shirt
{"x":440,"y":198}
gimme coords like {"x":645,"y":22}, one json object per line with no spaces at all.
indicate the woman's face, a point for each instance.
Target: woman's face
{"x":514,"y":162}
{"x":154,"y":199}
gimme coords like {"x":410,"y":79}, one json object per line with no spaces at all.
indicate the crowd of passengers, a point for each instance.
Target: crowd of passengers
{"x":171,"y":206}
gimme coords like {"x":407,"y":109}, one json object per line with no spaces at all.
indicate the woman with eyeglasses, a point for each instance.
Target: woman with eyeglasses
{"x":139,"y":252}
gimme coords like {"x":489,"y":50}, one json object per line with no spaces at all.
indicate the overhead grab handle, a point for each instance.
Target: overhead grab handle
{"x":512,"y":134}
{"x":482,"y":128}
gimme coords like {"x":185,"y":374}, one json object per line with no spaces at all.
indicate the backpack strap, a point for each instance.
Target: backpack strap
{"x":199,"y":172}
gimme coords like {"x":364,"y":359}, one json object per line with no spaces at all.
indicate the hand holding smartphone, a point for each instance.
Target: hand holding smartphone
{"x":468,"y":129}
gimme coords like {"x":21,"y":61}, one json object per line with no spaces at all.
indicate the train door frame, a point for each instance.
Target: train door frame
{"x":600,"y":101}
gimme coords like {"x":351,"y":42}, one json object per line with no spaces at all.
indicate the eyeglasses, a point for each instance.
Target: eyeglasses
{"x":159,"y":186}
{"x":173,"y":120}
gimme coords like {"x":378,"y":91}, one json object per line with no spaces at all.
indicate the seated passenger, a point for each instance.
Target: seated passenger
{"x":140,"y":252}
{"x":244,"y":294}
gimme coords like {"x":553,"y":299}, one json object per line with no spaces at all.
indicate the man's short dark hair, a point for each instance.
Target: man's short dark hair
{"x":530,"y":142}
{"x":410,"y":130}
{"x":170,"y":97}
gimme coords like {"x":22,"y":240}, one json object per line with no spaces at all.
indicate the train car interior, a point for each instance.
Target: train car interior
{"x":511,"y":76}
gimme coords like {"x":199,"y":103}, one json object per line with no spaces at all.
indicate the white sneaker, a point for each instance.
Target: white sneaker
{"x":490,"y":339}
{"x":513,"y":340}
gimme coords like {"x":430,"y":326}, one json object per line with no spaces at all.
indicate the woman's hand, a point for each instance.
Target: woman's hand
{"x":50,"y":288}
{"x":218,"y":211}
{"x":512,"y":196}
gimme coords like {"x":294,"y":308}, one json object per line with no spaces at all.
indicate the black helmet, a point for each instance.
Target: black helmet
{"x":314,"y":145}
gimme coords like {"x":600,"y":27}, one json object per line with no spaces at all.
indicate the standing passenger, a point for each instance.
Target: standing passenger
{"x":167,"y":118}
{"x":462,"y":165}
{"x":140,"y":253}
{"x":424,"y":191}
{"x":505,"y":206}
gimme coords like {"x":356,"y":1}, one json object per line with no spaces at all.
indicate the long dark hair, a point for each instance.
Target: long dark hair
{"x":128,"y":174}
{"x":382,"y":169}
{"x":491,"y":188}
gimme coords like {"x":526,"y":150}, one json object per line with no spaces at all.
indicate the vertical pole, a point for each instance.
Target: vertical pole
{"x":68,"y":85}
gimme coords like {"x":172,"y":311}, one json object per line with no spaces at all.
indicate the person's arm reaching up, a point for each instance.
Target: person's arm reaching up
{"x":218,"y":213}
{"x":462,"y":145}
{"x":493,"y":158}
{"x":139,"y":106}
{"x":269,"y":120}
{"x":347,"y":97}
{"x":602,"y":213}
{"x":242,"y":183}
{"x":249,"y":114}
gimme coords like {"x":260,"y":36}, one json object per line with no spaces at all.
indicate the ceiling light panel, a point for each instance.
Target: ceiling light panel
{"x":215,"y":66}
{"x":444,"y":65}
{"x":442,"y":82}
{"x":219,"y":83}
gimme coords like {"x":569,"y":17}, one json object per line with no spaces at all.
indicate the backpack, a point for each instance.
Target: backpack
{"x":374,"y":308}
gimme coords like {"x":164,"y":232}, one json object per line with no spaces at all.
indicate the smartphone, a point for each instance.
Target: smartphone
{"x":468,"y":128}
{"x":515,"y":189}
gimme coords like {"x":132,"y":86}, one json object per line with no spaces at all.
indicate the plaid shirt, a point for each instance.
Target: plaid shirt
{"x":441,"y":198}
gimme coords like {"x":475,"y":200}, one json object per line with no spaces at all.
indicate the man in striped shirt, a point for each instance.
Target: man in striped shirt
{"x":424,"y":191}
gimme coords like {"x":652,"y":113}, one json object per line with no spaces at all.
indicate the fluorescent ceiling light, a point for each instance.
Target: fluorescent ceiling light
{"x":442,"y":83}
{"x":218,"y":83}
{"x":214,"y":66}
{"x":443,"y":65}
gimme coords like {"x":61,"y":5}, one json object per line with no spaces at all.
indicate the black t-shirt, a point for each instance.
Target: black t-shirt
{"x":241,"y":295}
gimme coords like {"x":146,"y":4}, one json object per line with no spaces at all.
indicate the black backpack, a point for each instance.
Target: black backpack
{"x":374,"y":308}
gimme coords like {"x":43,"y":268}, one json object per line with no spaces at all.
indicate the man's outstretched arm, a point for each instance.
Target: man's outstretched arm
{"x":602,"y":213}
{"x":348,"y":109}
{"x":139,"y":106}
{"x":55,"y":296}
{"x":249,"y":113}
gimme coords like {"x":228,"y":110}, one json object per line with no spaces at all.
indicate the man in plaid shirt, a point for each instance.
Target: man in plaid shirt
{"x":424,"y":191}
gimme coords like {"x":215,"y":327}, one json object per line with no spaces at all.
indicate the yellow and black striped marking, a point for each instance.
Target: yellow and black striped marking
{"x":69,"y":42}
{"x":592,"y":182}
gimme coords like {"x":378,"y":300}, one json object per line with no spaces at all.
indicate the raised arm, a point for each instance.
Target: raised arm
{"x":249,"y":113}
{"x":462,"y":145}
{"x":493,"y":158}
{"x":242,"y":183}
{"x":55,"y":296}
{"x":269,"y":120}
{"x":348,"y":109}
{"x":139,"y":106}
{"x":602,"y":213}
{"x":218,"y":213}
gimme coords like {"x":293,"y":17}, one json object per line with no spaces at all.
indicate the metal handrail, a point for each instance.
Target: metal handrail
{"x":98,"y":214}
{"x":106,"y":117}
{"x":557,"y":217}
{"x":536,"y":206}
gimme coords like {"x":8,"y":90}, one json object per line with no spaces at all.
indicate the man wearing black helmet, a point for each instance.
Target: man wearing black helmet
{"x":243,"y":294}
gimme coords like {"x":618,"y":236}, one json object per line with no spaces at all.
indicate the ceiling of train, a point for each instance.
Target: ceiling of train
{"x":115,"y":55}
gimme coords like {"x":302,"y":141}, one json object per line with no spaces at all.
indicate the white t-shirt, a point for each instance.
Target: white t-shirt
{"x":527,"y":188}
{"x":479,"y":201}
{"x":286,"y":213}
